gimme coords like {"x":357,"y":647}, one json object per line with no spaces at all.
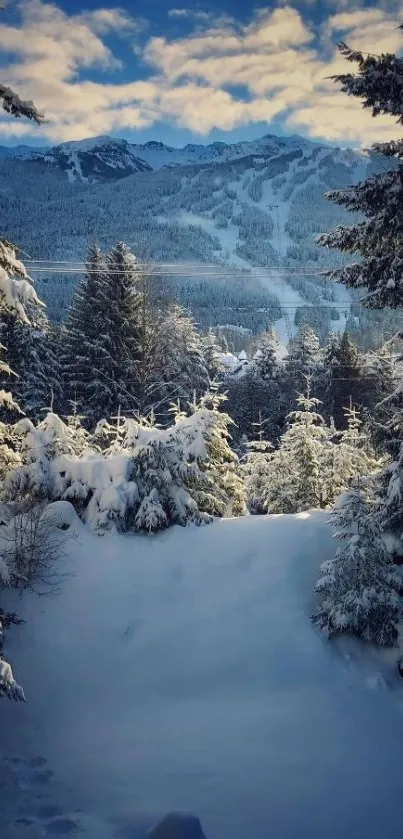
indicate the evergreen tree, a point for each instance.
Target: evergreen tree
{"x":303,"y":357}
{"x":359,"y":587}
{"x":16,"y":295}
{"x":211,"y":352}
{"x":382,"y":424}
{"x":222,"y":492}
{"x":31,"y":353}
{"x":378,"y":239}
{"x":125,"y":328}
{"x":347,"y":359}
{"x":103,"y":336}
{"x":177,"y":369}
{"x":343,"y":372}
{"x":253,"y":400}
{"x":144,"y":478}
{"x":350,"y":456}
{"x":16,"y":292}
{"x":266,"y":355}
{"x":390,"y":494}
{"x":76,"y":432}
{"x":256,"y":468}
{"x":294,"y":480}
{"x":86,"y":344}
{"x":16,"y":289}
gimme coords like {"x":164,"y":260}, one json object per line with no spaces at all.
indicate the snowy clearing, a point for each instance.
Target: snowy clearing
{"x":181,"y":672}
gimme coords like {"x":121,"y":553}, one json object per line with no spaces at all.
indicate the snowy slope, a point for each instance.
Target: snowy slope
{"x":182,"y":672}
{"x":251,"y":205}
{"x":95,"y":160}
{"x":19,"y":151}
{"x":157,"y":155}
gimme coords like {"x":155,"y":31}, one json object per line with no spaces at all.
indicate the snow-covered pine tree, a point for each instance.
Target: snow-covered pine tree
{"x":177,"y":367}
{"x":382,"y":419}
{"x":211,"y":354}
{"x":16,"y":292}
{"x":224,"y":492}
{"x":125,"y":328}
{"x":86,"y":342}
{"x":378,"y":239}
{"x":16,"y":289}
{"x":31,"y":353}
{"x":16,"y":296}
{"x":359,"y":588}
{"x":386,"y":424}
{"x":343,"y":369}
{"x":351,"y":457}
{"x":260,"y":393}
{"x":78,"y":434}
{"x":36,"y":477}
{"x":134,"y":475}
{"x":266,"y":355}
{"x":295,"y":477}
{"x":17,"y":299}
{"x":256,"y":466}
{"x":303,"y":357}
{"x":390,"y":501}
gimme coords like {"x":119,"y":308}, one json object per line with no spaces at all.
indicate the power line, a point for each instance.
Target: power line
{"x":182,"y":273}
{"x":177,"y":269}
{"x":135,"y":264}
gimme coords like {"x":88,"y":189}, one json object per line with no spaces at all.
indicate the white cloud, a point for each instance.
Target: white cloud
{"x":191,"y":14}
{"x":279,"y":60}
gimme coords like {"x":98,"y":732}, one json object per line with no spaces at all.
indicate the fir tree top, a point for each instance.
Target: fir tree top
{"x":379,"y":81}
{"x":378,"y":240}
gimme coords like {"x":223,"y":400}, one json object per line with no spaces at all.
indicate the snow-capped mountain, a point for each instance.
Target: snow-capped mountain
{"x":19,"y":151}
{"x":99,"y":159}
{"x":253,"y":208}
{"x":159,"y":155}
{"x":95,"y":160}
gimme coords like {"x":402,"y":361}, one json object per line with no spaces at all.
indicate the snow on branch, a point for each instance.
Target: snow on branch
{"x":17,"y":107}
{"x":8,"y":686}
{"x":359,"y":588}
{"x":379,"y":81}
{"x":16,"y":290}
{"x":134,"y":476}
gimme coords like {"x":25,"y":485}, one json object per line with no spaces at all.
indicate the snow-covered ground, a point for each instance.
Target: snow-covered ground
{"x":182,"y":672}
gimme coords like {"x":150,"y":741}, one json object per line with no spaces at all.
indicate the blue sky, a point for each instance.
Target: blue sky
{"x":192,"y":72}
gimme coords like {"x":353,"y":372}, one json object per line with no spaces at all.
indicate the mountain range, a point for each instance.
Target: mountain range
{"x":252,"y":208}
{"x":109,"y":158}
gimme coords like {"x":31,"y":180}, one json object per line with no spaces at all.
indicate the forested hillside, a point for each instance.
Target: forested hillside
{"x":253,"y":207}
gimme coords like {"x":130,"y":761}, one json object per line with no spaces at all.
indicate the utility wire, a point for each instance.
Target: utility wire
{"x":228,"y":275}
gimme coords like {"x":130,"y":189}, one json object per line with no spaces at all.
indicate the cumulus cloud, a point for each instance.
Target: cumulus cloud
{"x":223,"y":74}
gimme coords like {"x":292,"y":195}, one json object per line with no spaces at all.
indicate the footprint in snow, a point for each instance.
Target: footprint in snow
{"x":32,"y":776}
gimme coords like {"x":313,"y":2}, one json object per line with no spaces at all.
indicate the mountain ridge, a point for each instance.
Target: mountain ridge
{"x":251,"y":208}
{"x":103,"y":158}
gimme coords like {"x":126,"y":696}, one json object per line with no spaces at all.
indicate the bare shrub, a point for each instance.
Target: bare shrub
{"x":32,"y":547}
